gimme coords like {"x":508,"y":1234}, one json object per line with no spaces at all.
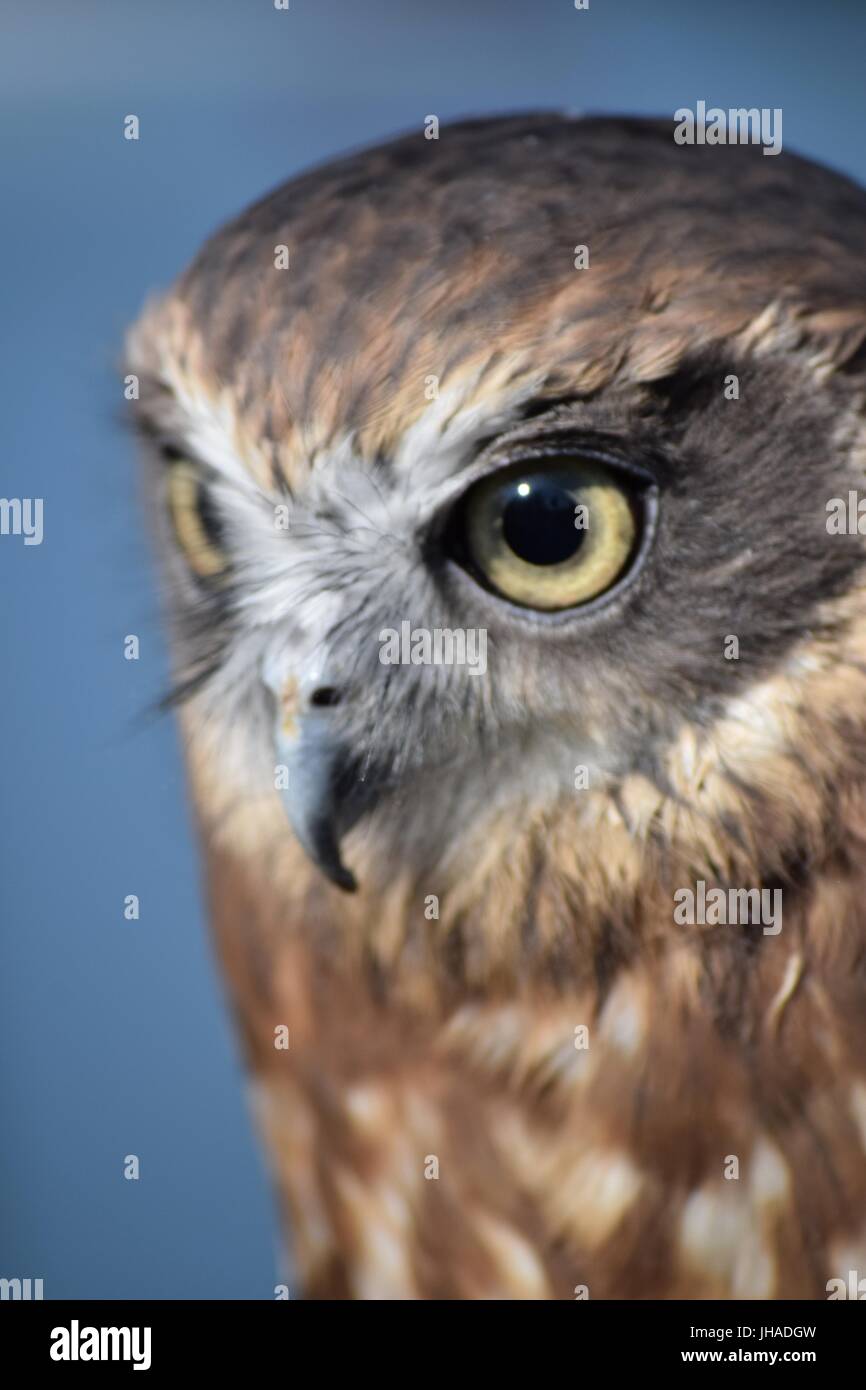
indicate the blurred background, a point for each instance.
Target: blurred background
{"x":113,"y":1035}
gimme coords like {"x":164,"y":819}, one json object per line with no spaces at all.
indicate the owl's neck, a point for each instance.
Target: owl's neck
{"x":538,"y":908}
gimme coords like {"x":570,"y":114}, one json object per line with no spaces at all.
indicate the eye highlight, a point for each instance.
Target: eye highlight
{"x":551,"y":534}
{"x":194,"y":520}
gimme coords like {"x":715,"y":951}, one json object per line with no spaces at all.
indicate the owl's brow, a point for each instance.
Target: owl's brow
{"x":168,"y":446}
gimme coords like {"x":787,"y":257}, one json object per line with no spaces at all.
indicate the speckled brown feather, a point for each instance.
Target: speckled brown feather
{"x":394,"y":1056}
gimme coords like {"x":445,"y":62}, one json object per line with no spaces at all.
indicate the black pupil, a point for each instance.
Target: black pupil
{"x":209,"y":516}
{"x":538,"y":523}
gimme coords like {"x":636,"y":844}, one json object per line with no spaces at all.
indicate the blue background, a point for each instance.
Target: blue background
{"x":113,"y":1035}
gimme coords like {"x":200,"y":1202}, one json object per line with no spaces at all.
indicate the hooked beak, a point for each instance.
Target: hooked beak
{"x":322,"y":798}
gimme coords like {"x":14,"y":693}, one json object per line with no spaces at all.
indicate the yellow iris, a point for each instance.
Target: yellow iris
{"x":551,"y":536}
{"x":191,"y":521}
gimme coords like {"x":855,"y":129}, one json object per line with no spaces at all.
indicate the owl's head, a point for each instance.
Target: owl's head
{"x":507,"y":492}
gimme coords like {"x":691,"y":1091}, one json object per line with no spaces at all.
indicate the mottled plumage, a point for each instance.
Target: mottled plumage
{"x":452,"y":1037}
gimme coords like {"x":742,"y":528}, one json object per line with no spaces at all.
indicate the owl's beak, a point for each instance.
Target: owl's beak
{"x":317,"y":798}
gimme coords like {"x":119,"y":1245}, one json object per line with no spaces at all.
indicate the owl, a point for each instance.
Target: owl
{"x":505,"y":487}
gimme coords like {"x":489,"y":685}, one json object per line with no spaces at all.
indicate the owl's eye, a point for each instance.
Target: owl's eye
{"x":195,"y":521}
{"x":551,"y":535}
